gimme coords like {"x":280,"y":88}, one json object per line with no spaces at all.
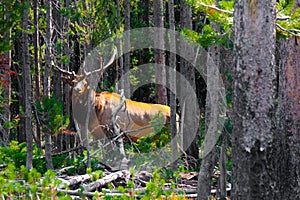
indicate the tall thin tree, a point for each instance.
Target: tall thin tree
{"x":6,"y":64}
{"x":211,"y":129}
{"x":212,"y":98}
{"x":160,"y":70}
{"x":172,"y":80}
{"x":187,"y":70}
{"x":127,"y":49}
{"x":27,"y":88}
{"x":37,"y":75}
{"x":120,"y":66}
{"x":47,"y":79}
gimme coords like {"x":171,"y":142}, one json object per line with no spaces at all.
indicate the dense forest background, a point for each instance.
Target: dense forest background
{"x":255,"y":46}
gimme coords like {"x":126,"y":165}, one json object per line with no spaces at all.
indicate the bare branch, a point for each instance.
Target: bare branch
{"x":215,"y":8}
{"x":231,"y":13}
{"x":283,"y":18}
{"x":290,"y":31}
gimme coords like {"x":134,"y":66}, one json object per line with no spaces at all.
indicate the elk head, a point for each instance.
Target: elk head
{"x":80,"y":82}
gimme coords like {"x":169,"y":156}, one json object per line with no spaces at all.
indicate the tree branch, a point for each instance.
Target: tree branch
{"x":215,"y":8}
{"x":283,"y":18}
{"x":231,"y":13}
{"x":290,"y":31}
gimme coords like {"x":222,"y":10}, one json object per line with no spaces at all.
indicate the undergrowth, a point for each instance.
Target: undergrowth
{"x":16,"y":182}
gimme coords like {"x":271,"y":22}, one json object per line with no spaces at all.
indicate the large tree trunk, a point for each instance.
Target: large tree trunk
{"x":159,"y":56}
{"x":27,"y":89}
{"x":288,"y":122}
{"x":254,"y":171}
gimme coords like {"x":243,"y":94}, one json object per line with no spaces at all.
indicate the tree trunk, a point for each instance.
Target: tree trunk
{"x":223,"y":169}
{"x":20,"y":88}
{"x":187,"y":70}
{"x":36,"y":50}
{"x":211,"y":130}
{"x":144,"y":12}
{"x":48,"y":142}
{"x":253,"y":145}
{"x":288,"y":121}
{"x":57,"y":83}
{"x":66,"y":87}
{"x":6,"y":64}
{"x":120,"y":66}
{"x":159,"y":56}
{"x":27,"y":89}
{"x":37,"y":74}
{"x":127,"y":49}
{"x":172,"y":82}
{"x":48,"y":52}
{"x":57,"y":19}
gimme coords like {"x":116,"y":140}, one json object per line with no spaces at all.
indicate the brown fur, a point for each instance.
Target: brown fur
{"x":134,"y":115}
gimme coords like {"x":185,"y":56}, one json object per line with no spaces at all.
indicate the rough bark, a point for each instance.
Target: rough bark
{"x":254,"y":175}
{"x":288,"y":122}
{"x":160,"y":70}
{"x":27,"y":89}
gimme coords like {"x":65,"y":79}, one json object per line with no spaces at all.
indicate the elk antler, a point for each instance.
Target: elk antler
{"x":65,"y":72}
{"x":106,"y":66}
{"x":70,"y":76}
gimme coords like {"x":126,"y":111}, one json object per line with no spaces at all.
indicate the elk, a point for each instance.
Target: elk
{"x":132,"y":116}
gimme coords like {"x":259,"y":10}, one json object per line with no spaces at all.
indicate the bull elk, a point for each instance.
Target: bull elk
{"x":133,"y":115}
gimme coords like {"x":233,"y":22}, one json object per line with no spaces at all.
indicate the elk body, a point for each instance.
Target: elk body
{"x":134,"y":116}
{"x":94,"y":110}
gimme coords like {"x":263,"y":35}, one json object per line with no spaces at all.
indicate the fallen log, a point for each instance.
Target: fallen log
{"x":106,"y":180}
{"x":73,"y":180}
